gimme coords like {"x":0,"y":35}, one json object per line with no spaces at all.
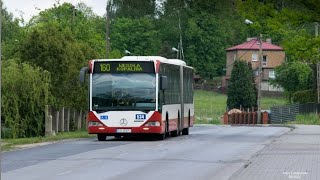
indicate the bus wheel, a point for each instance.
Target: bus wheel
{"x":185,"y":131}
{"x":161,"y":136}
{"x":175,"y":133}
{"x":101,"y":137}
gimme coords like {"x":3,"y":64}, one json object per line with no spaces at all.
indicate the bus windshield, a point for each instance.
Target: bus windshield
{"x":125,"y":91}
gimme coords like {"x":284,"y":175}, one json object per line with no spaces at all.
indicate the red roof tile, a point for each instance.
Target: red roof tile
{"x":253,"y":44}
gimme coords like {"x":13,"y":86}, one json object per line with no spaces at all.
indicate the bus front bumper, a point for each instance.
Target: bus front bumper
{"x":125,"y":130}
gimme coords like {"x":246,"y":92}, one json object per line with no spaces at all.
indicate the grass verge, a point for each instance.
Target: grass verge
{"x":308,"y":119}
{"x":210,"y":106}
{"x":9,"y":144}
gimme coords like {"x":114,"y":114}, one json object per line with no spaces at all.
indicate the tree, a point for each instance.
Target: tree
{"x":56,"y":51}
{"x":289,"y":23}
{"x":26,"y":91}
{"x":12,"y":35}
{"x":205,"y":45}
{"x":133,"y":9}
{"x":293,"y":77}
{"x":241,"y":90}
{"x":139,"y":36}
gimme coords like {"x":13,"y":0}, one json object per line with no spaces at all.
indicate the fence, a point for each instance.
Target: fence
{"x":64,"y":119}
{"x":245,"y":118}
{"x":309,"y":108}
{"x":285,"y":113}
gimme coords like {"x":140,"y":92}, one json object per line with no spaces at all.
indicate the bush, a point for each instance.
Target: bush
{"x":305,"y":96}
{"x":25,"y":92}
{"x":241,"y":90}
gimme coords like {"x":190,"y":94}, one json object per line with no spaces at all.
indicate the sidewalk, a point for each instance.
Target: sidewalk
{"x":294,"y":155}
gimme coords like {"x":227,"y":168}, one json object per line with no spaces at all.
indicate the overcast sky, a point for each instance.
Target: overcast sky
{"x":29,"y":8}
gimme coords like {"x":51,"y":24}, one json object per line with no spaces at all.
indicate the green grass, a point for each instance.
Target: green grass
{"x":267,"y":102}
{"x":210,"y":106}
{"x":309,"y":119}
{"x":8,"y":144}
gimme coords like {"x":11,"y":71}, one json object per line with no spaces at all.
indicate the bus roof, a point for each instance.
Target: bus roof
{"x":148,"y":58}
{"x":161,"y":59}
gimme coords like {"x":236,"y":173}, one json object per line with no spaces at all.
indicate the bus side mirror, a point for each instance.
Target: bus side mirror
{"x":83,"y":73}
{"x":163,"y":82}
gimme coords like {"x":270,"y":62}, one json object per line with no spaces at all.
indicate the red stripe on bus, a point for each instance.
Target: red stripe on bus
{"x":157,"y":65}
{"x":91,"y":66}
{"x":92,"y":117}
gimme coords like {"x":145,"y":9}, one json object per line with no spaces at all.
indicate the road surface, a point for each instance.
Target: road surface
{"x":209,"y":152}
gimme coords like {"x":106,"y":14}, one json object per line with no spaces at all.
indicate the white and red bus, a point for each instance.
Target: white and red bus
{"x":139,"y":95}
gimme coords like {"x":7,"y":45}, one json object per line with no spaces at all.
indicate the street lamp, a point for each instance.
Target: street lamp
{"x":176,"y":50}
{"x":127,"y":52}
{"x":247,"y":21}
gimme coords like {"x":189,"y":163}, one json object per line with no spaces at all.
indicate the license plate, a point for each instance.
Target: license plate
{"x":123,"y":130}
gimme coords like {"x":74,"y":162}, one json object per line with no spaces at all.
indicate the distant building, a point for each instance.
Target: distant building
{"x":273,"y":56}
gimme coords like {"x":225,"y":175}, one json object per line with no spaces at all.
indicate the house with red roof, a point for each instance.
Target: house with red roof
{"x":272,"y":56}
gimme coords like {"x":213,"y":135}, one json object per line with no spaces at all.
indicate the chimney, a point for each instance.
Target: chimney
{"x":268,"y":40}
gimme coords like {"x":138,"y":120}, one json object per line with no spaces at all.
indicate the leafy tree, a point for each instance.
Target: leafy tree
{"x":133,"y":9}
{"x":293,"y":77}
{"x":85,"y":26}
{"x":26,"y":91}
{"x":241,"y":90}
{"x":11,"y":34}
{"x":57,"y":51}
{"x":205,"y":45}
{"x":139,"y":36}
{"x":289,"y":24}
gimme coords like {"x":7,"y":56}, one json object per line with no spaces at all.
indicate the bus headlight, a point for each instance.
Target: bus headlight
{"x":94,"y":123}
{"x":153,"y":123}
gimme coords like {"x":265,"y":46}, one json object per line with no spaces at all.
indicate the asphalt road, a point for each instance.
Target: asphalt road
{"x":209,"y":152}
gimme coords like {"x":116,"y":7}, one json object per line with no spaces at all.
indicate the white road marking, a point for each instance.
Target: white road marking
{"x":64,"y":173}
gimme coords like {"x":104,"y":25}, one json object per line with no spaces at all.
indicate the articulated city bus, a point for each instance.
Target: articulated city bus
{"x":139,"y":95}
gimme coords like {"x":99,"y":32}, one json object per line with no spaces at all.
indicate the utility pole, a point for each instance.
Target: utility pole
{"x":180,"y":41}
{"x":318,"y":80}
{"x":259,"y":79}
{"x":73,"y":16}
{"x":108,"y":29}
{"x":0,"y":84}
{"x":318,"y":64}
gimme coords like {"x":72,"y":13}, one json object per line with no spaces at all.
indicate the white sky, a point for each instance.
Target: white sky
{"x":29,"y":8}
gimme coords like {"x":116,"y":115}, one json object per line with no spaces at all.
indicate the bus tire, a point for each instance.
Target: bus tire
{"x":174,"y":133}
{"x":167,"y":132}
{"x":177,"y":131}
{"x":185,"y":131}
{"x":161,"y":136}
{"x":101,"y":137}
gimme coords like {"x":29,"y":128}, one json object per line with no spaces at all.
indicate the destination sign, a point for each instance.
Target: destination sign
{"x":123,"y":67}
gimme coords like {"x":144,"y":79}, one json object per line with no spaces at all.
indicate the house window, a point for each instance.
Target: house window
{"x":254,"y":56}
{"x":272,"y":74}
{"x":264,"y":60}
{"x":234,"y":57}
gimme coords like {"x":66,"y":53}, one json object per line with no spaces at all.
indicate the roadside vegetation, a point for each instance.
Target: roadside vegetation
{"x":16,"y":143}
{"x":210,"y":106}
{"x":307,"y":119}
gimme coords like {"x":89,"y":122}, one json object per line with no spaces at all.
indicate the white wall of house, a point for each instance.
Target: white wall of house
{"x":266,"y":86}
